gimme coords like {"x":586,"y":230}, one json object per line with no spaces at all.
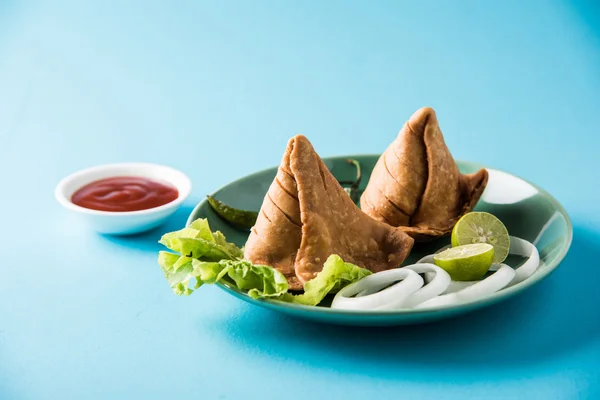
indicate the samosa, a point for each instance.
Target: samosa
{"x":307,"y":216}
{"x":416,"y":183}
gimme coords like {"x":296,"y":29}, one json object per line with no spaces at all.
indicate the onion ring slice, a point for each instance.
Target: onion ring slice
{"x":435,"y":286}
{"x":480,"y":289}
{"x":389,"y":297}
{"x":409,"y":290}
{"x":524,"y":248}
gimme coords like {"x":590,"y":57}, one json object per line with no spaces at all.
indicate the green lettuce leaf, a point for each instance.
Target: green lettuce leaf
{"x":259,"y":280}
{"x":335,"y":275}
{"x":197,"y":241}
{"x":178,"y":271}
{"x":206,"y":257}
{"x":230,"y":248}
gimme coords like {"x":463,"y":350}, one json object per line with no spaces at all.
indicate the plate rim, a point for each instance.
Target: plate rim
{"x":487,"y":300}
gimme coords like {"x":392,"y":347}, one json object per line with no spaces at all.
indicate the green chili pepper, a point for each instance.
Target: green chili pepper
{"x":241,"y":219}
{"x":353,"y":191}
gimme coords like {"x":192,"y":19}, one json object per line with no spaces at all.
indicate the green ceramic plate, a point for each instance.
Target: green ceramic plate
{"x":527,"y":211}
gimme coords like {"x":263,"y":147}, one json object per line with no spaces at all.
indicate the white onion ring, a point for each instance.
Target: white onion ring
{"x":409,"y":283}
{"x":435,"y":286}
{"x":428,"y":259}
{"x":411,"y":292}
{"x":524,"y":248}
{"x":456,"y":286}
{"x":485,"y":287}
{"x":434,"y":275}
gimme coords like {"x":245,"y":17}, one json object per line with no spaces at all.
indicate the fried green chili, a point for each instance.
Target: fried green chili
{"x":353,"y":191}
{"x":242,"y":219}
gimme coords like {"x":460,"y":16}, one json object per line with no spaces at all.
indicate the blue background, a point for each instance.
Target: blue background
{"x":216,"y":89}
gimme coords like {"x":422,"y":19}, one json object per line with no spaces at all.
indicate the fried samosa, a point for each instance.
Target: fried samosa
{"x":307,"y":216}
{"x":416,"y":183}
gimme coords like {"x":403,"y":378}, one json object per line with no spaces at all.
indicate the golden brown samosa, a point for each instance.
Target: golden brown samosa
{"x":307,"y":216}
{"x":416,"y":183}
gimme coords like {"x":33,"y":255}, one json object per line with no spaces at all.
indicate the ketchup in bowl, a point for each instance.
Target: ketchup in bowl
{"x":124,"y":193}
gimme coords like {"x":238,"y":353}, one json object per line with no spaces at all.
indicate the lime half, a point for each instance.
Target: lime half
{"x":482,"y":227}
{"x":466,"y":263}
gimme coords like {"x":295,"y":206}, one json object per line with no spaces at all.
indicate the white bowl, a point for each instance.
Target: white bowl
{"x":129,"y":222}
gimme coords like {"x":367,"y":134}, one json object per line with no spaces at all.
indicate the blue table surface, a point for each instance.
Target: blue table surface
{"x":216,"y":89}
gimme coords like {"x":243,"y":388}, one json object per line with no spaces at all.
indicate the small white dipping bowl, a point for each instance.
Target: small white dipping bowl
{"x":128,"y":222}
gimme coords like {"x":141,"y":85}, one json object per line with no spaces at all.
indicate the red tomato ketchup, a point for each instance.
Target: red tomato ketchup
{"x":124,"y":193}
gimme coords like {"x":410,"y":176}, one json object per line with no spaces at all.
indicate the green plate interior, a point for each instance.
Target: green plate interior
{"x":527,"y":211}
